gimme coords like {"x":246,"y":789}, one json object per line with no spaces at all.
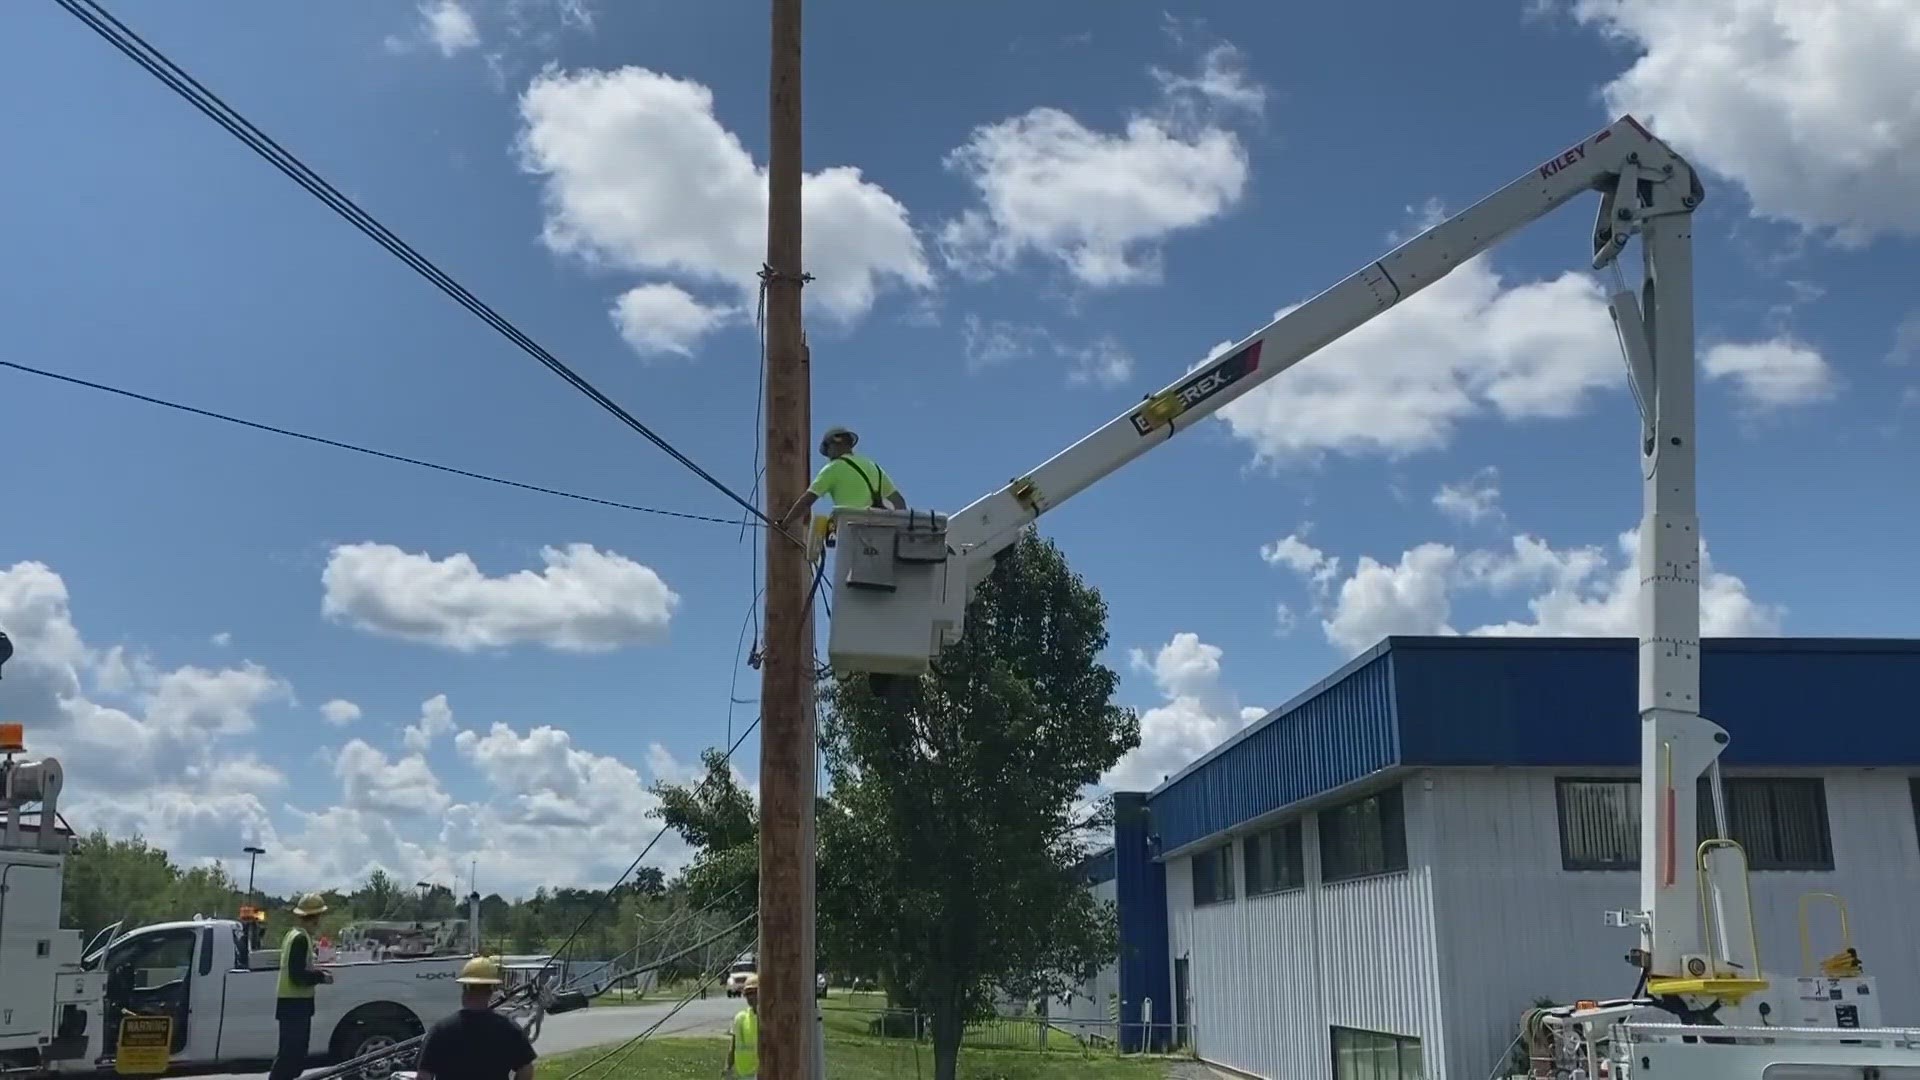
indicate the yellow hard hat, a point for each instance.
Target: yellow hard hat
{"x":479,"y":971}
{"x":751,"y":982}
{"x":310,"y":906}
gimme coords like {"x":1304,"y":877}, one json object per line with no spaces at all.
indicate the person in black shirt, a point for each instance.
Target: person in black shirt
{"x":477,"y":1043}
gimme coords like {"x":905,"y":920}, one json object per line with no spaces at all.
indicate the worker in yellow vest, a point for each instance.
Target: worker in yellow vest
{"x":851,"y":480}
{"x":293,"y":1004}
{"x":743,"y":1053}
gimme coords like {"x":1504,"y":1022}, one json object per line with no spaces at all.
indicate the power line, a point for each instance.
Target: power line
{"x":370,"y":452}
{"x":136,"y":48}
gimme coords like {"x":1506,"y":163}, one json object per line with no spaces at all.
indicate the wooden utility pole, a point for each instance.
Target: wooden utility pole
{"x":786,"y":673}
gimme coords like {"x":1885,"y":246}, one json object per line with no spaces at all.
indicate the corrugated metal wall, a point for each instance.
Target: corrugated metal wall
{"x":1271,"y":974}
{"x":1339,"y":732}
{"x":1515,"y":926}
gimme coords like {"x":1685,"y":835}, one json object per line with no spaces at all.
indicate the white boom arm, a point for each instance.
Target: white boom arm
{"x":903,"y":579}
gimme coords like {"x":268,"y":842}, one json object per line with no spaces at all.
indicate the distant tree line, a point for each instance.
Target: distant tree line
{"x":128,"y":880}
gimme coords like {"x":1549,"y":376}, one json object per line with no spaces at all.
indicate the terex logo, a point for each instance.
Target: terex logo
{"x":1162,"y":408}
{"x":1570,"y":157}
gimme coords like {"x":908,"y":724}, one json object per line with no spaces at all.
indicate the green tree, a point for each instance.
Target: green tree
{"x":203,"y":890}
{"x":109,"y":880}
{"x":380,"y":898}
{"x":950,"y":848}
{"x":718,"y":819}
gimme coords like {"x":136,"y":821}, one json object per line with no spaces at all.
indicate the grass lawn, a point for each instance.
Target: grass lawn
{"x":848,"y":1058}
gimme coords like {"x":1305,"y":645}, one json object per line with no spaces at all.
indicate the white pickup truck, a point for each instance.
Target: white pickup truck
{"x":221,"y":994}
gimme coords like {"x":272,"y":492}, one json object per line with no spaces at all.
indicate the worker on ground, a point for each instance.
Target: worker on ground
{"x":477,"y":1043}
{"x":293,"y":1004}
{"x":743,"y":1052}
{"x":852,"y":481}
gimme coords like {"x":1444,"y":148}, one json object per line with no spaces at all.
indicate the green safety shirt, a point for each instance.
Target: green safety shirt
{"x":853,"y":482}
{"x":746,"y":1043}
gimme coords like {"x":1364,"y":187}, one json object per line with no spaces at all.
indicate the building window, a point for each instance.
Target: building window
{"x":1213,"y":876}
{"x":1275,"y":860}
{"x":1781,"y":822}
{"x":1599,"y":824}
{"x":1371,"y":1055}
{"x":1364,"y":837}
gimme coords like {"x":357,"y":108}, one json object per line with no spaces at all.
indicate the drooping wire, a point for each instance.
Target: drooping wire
{"x":625,"y":1049}
{"x":600,"y":905}
{"x":370,"y":452}
{"x":156,"y":63}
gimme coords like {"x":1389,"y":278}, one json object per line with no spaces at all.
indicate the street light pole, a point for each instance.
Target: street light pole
{"x":253,"y":858}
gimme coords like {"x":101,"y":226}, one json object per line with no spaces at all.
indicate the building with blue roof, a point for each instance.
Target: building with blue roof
{"x":1378,"y":877}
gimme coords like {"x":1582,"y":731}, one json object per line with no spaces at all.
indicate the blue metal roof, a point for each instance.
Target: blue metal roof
{"x":1555,"y":702}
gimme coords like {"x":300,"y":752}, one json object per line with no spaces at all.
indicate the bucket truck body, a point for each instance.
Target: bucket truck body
{"x":902,"y":581}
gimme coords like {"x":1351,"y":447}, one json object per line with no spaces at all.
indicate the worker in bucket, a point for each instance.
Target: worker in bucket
{"x":851,"y":480}
{"x":743,"y":1052}
{"x":477,"y":1043}
{"x":299,"y":975}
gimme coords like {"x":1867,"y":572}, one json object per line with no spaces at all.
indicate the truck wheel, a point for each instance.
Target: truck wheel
{"x":371,"y":1036}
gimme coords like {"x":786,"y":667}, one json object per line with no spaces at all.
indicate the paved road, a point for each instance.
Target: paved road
{"x":611,"y":1024}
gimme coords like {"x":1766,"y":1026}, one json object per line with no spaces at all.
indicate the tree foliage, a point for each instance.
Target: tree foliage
{"x":128,"y":880}
{"x":950,"y":848}
{"x":717,"y":818}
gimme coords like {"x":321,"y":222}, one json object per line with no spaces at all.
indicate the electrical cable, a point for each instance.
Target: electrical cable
{"x":600,"y":905}
{"x":684,"y":917}
{"x":156,"y":63}
{"x":627,"y":1048}
{"x":407,"y":1045}
{"x":370,"y":452}
{"x":659,"y":962}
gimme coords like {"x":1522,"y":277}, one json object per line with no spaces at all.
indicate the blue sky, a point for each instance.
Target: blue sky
{"x":1023,"y":217}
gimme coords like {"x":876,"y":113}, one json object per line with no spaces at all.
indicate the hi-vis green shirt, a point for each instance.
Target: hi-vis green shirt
{"x":746,"y":1043}
{"x":853,"y":482}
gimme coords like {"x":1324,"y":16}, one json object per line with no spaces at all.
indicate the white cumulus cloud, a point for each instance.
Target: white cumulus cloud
{"x":1772,"y":374}
{"x":1811,"y":108}
{"x":144,"y":745}
{"x":660,"y":318}
{"x":1096,"y":203}
{"x":444,"y":24}
{"x":1102,"y":204}
{"x":340,"y":712}
{"x":177,"y":755}
{"x":1571,"y":592}
{"x":583,"y":600}
{"x":436,"y":719}
{"x":640,"y":175}
{"x":370,"y":781}
{"x":1473,"y":500}
{"x":1196,"y":713}
{"x":1222,"y":80}
{"x":1102,"y":361}
{"x":1472,"y":343}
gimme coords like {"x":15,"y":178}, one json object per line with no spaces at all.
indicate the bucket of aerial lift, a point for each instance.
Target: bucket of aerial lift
{"x":894,"y":604}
